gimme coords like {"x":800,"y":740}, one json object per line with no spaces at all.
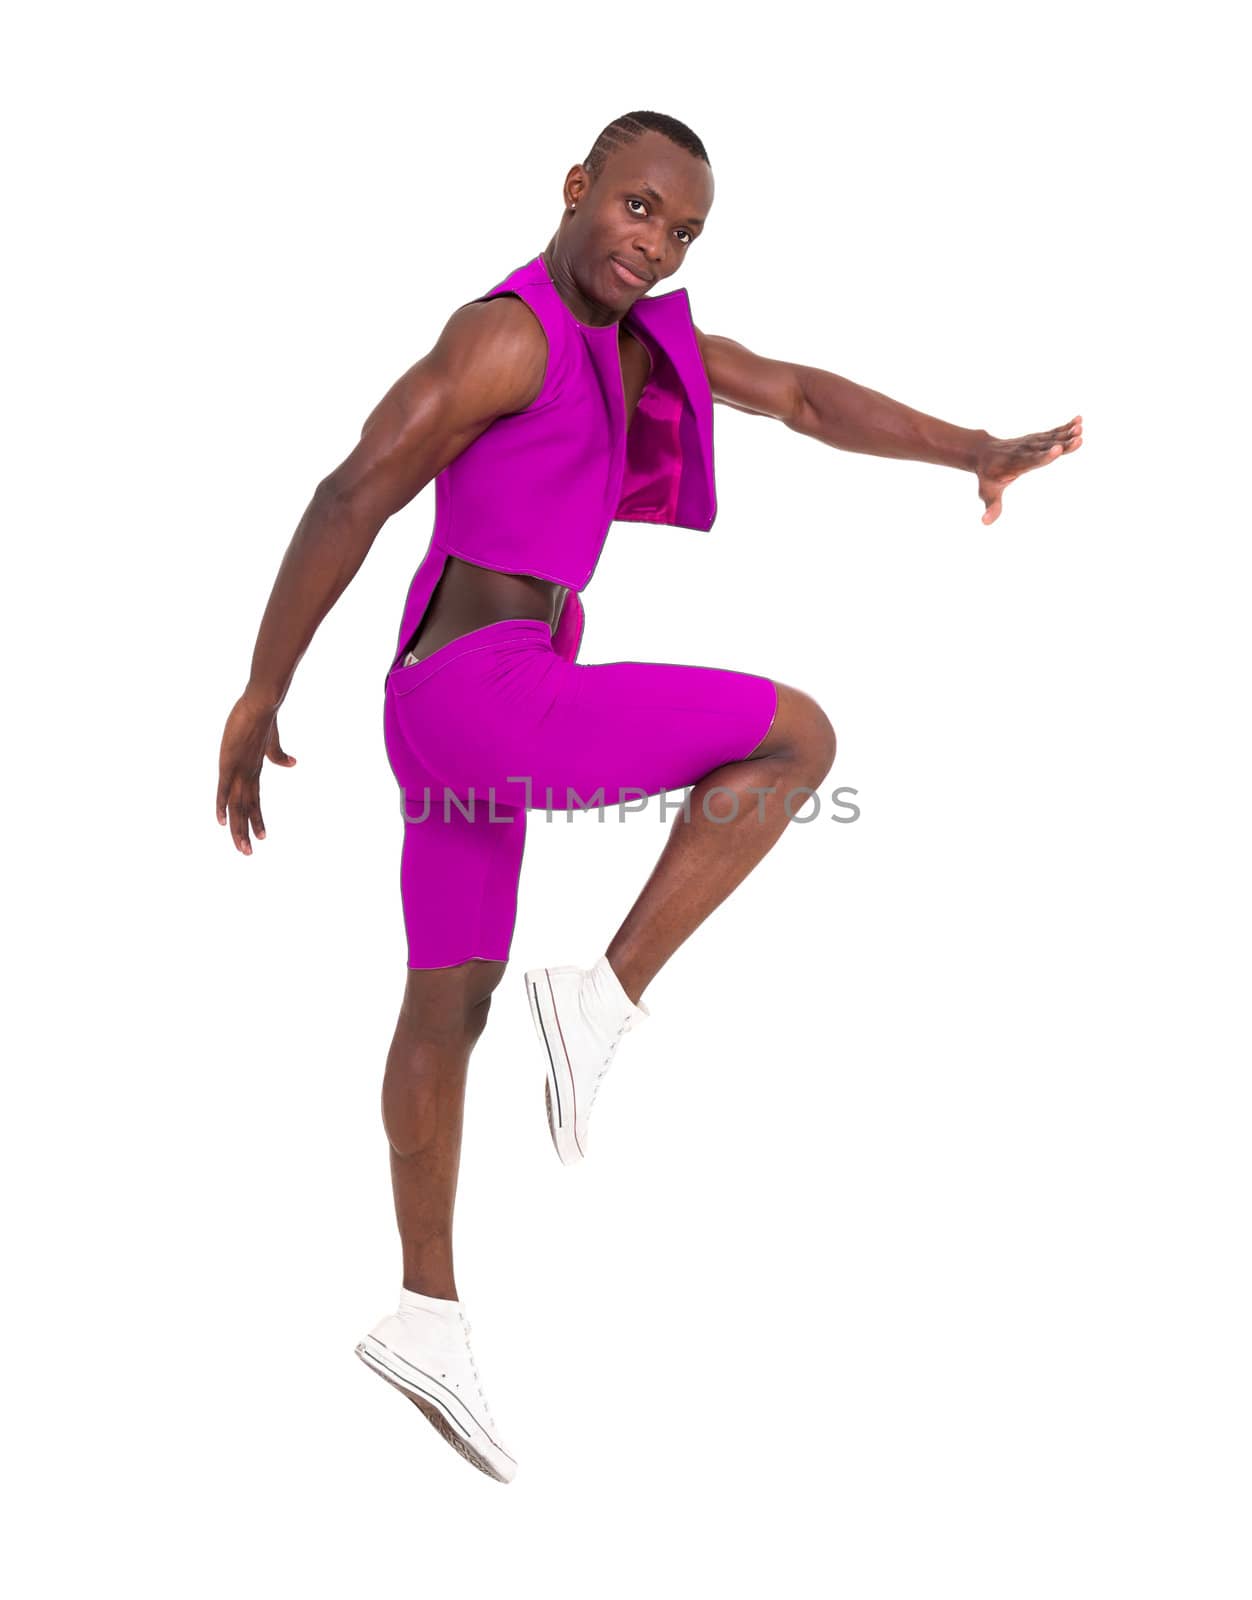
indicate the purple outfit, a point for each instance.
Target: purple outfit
{"x":503,"y":719}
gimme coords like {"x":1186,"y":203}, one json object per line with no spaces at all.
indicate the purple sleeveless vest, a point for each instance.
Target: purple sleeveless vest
{"x":537,"y":490}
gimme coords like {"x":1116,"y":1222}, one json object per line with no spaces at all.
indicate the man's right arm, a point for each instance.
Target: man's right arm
{"x":489,"y":361}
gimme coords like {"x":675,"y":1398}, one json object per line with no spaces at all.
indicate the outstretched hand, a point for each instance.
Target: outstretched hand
{"x":1002,"y":460}
{"x":251,"y":735}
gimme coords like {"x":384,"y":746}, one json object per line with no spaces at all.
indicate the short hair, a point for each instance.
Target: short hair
{"x":626,"y":129}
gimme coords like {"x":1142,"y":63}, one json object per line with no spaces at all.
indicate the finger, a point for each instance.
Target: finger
{"x":239,"y":825}
{"x":221,"y":799}
{"x":257,"y":820}
{"x":992,"y":512}
{"x":1037,"y":443}
{"x":1041,"y":456}
{"x":275,"y":751}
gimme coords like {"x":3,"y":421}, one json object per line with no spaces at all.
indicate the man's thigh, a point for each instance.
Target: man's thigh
{"x":631,"y":727}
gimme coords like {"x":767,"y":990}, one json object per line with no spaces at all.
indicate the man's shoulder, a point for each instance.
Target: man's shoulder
{"x":501,"y":330}
{"x":496,"y":349}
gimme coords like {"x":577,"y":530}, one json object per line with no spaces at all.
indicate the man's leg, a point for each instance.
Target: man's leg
{"x":633,"y":728}
{"x":704,"y":860}
{"x":422,"y":1348}
{"x":444,"y":1012}
{"x":459,"y":869}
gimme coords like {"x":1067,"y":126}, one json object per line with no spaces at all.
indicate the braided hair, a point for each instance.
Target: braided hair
{"x":626,"y":129}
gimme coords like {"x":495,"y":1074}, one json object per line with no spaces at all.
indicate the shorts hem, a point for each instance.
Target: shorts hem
{"x":442,"y":966}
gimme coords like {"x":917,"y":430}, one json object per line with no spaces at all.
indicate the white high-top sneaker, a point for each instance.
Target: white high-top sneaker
{"x":423,"y":1350}
{"x":580,"y":1015}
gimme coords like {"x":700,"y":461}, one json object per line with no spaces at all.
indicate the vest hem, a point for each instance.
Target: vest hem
{"x":548,"y":577}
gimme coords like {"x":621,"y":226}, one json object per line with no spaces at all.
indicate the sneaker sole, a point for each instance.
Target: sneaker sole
{"x":559,"y":1097}
{"x":428,"y":1404}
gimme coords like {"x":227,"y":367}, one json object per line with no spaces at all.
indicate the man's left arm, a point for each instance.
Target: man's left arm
{"x":850,"y":417}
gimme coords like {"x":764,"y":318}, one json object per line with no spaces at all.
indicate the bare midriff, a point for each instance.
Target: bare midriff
{"x":468,"y":597}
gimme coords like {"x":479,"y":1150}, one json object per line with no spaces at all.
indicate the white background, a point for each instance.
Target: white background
{"x":913,"y":1257}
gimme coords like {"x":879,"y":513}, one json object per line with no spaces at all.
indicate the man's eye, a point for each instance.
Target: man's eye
{"x":635,"y":201}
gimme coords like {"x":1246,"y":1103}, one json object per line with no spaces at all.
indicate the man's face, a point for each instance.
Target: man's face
{"x":645,"y":211}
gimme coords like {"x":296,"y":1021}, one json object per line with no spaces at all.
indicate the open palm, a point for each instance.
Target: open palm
{"x":1002,"y":460}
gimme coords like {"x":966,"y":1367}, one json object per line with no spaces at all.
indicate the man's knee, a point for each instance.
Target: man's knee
{"x":450,"y":1002}
{"x":805,"y":734}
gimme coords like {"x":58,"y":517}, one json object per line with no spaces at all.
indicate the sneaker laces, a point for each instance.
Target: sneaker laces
{"x":466,"y":1330}
{"x":608,"y":1062}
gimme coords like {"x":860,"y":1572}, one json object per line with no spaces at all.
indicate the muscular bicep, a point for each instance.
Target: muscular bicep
{"x":748,"y":382}
{"x":489,"y":361}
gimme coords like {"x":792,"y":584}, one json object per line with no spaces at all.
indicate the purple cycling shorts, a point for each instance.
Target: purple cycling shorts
{"x":496,"y":723}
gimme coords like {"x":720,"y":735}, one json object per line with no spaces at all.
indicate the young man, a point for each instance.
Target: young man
{"x":572,"y":395}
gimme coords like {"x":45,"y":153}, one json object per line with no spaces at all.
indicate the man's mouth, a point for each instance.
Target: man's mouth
{"x":636,"y":280}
